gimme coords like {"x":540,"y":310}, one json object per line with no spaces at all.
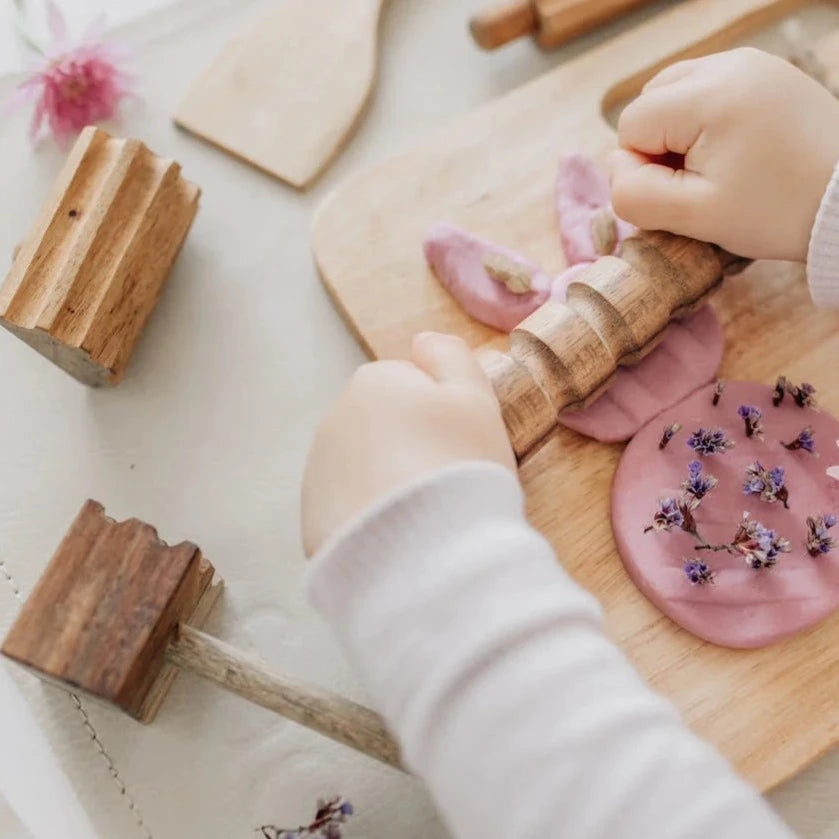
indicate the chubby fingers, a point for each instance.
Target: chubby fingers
{"x":653,"y":196}
{"x":448,"y":359}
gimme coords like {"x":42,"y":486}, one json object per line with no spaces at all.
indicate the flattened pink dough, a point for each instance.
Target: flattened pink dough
{"x":687,"y":358}
{"x":456,"y":257}
{"x":581,"y":191}
{"x":743,"y":608}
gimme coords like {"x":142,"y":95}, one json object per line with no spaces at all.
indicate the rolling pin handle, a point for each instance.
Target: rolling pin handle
{"x":499,"y":26}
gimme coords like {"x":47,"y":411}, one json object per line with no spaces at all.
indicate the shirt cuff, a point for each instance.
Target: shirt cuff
{"x":823,"y":253}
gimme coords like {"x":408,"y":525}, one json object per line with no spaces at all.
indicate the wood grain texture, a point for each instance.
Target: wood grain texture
{"x":553,"y":22}
{"x":327,"y":713}
{"x":89,"y":274}
{"x":106,"y":607}
{"x":770,"y":711}
{"x":286,"y":94}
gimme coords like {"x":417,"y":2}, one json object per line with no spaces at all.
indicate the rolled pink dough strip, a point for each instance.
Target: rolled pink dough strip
{"x":744,"y":607}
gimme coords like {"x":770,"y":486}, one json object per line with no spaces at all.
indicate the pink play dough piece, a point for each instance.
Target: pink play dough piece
{"x":456,"y":257}
{"x":687,"y":358}
{"x":744,"y":607}
{"x":581,"y":190}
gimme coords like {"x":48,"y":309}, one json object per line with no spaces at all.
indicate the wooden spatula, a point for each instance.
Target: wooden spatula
{"x":286,"y":94}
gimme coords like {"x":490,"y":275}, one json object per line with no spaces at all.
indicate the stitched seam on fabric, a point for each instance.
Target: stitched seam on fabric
{"x":91,"y":731}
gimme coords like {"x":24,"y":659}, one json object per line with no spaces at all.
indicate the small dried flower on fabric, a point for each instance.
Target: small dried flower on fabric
{"x":698,"y":572}
{"x":780,"y":391}
{"x":698,"y":485}
{"x":670,"y":431}
{"x":330,"y":815}
{"x":751,"y":416}
{"x":819,"y":541}
{"x":759,"y":546}
{"x":719,"y":387}
{"x":708,"y":442}
{"x":805,"y":441}
{"x":769,"y":484}
{"x":803,"y":394}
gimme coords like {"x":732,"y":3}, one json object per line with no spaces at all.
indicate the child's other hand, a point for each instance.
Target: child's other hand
{"x":760,"y":140}
{"x":396,"y":422}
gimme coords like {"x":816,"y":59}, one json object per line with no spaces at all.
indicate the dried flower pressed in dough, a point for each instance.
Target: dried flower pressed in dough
{"x":719,"y":387}
{"x":697,"y":485}
{"x":751,"y":416}
{"x":769,"y":484}
{"x":709,"y":441}
{"x":698,"y":572}
{"x":670,"y":431}
{"x":819,"y":541}
{"x":668,"y":515}
{"x":759,"y":546}
{"x":803,"y":394}
{"x":330,"y":815}
{"x":804,"y":441}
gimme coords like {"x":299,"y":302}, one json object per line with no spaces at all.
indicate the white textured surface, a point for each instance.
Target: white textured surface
{"x":206,"y":439}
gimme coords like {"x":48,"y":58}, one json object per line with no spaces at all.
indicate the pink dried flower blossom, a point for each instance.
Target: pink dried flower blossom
{"x":74,"y":86}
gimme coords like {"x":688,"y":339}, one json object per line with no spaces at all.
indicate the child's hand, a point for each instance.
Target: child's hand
{"x":760,"y":140}
{"x":396,"y":422}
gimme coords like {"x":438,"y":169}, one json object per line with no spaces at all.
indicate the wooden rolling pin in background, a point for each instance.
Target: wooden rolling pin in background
{"x":551,"y":22}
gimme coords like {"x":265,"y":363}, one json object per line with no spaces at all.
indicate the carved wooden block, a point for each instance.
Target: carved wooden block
{"x":107,"y":606}
{"x":90,"y":272}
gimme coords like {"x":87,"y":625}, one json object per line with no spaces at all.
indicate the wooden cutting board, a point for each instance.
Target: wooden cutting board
{"x":771,"y":711}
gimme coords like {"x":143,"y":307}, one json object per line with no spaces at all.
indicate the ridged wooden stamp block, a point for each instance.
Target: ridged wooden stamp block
{"x":90,"y":272}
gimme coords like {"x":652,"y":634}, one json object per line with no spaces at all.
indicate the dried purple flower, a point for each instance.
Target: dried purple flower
{"x":670,"y":431}
{"x":805,"y":440}
{"x":696,"y":485}
{"x":330,"y":815}
{"x":803,"y":394}
{"x":819,"y":541}
{"x":780,"y":391}
{"x":668,"y":515}
{"x":719,"y":387}
{"x":698,"y":572}
{"x":706,"y":442}
{"x":759,"y":546}
{"x":769,"y":484}
{"x":752,"y":416}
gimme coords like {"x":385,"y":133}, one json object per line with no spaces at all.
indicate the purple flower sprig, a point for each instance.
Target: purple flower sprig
{"x":751,"y":416}
{"x":780,"y":391}
{"x":329,"y":817}
{"x":805,"y":441}
{"x":670,"y":431}
{"x":697,"y":485}
{"x":759,"y":546}
{"x":819,"y":541}
{"x":709,"y":441}
{"x":769,"y":484}
{"x":698,"y":572}
{"x":670,"y":513}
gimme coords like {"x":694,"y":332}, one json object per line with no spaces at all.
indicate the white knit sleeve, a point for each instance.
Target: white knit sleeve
{"x":490,"y":665}
{"x":823,"y":253}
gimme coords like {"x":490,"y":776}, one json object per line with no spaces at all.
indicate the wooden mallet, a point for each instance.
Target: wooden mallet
{"x":116,"y":611}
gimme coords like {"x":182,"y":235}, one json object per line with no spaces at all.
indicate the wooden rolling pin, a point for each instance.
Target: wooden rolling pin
{"x":565,"y":354}
{"x":552,"y":22}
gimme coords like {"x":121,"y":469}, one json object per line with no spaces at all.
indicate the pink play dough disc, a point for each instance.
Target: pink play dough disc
{"x":743,"y":607}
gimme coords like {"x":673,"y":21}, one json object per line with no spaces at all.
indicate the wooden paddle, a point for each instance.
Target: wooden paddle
{"x":286,"y":94}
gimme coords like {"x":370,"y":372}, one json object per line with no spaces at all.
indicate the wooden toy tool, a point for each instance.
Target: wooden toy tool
{"x":115,"y":614}
{"x":87,"y":277}
{"x":286,"y":94}
{"x":551,"y":22}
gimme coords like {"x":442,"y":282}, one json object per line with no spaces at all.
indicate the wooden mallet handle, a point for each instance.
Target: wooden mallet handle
{"x":565,"y":355}
{"x":553,"y":22}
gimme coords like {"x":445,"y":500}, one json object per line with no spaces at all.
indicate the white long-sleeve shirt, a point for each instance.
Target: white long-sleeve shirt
{"x":490,"y":665}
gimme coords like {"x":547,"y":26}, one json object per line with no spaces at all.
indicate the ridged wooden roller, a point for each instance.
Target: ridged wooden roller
{"x":565,"y":354}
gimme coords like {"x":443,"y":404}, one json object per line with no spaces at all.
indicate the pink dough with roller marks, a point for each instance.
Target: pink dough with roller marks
{"x":743,"y":607}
